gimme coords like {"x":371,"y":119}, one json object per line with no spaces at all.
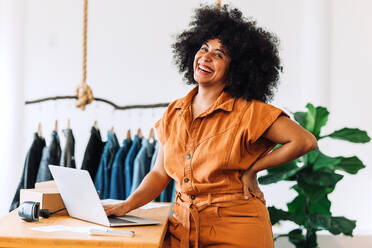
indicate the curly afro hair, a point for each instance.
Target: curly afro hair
{"x":255,"y":64}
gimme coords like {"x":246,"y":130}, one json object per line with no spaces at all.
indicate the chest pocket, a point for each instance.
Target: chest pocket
{"x":204,"y":148}
{"x":211,"y":156}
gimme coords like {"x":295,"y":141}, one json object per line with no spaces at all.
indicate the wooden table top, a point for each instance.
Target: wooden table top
{"x":15,"y":232}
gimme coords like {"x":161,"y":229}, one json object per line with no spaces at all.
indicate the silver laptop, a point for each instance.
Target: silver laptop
{"x":82,"y":201}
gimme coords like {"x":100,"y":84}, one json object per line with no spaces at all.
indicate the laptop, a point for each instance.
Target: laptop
{"x":82,"y":201}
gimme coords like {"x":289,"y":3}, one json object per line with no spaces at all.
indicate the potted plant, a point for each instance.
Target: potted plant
{"x":315,"y":175}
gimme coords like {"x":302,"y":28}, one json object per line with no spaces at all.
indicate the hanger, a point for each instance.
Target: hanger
{"x":95,"y":125}
{"x":56,"y":126}
{"x":112,"y":129}
{"x":39,"y":130}
{"x":129,"y":135}
{"x":139,"y":133}
{"x":68,"y":123}
{"x":151,"y":134}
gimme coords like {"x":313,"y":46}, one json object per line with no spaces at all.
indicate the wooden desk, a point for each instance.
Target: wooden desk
{"x":17,"y":233}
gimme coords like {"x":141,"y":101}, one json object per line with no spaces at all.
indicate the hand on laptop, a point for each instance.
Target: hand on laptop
{"x":119,"y":209}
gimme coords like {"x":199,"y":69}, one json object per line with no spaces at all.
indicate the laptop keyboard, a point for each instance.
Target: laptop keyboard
{"x":114,"y":220}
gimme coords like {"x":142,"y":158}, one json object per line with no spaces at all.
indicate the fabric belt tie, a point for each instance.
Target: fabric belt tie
{"x":191,"y":208}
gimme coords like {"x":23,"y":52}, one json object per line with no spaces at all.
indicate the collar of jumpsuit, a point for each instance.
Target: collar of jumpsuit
{"x":223,"y":102}
{"x":206,"y":156}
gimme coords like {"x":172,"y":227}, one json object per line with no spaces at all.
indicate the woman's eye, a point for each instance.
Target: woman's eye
{"x":204,"y":49}
{"x":218,"y":55}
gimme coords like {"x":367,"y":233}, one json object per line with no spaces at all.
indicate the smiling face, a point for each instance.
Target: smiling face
{"x":211,"y":63}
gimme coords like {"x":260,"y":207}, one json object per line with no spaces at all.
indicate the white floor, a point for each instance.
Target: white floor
{"x":328,"y":241}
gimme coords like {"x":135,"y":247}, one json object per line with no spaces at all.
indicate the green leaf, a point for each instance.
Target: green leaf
{"x":329,"y":190}
{"x":300,"y":117}
{"x":297,"y":207}
{"x":277,"y":215}
{"x":320,"y":121}
{"x":324,"y":161}
{"x":321,"y":206}
{"x":342,"y":225}
{"x":313,"y":192}
{"x":319,"y":221}
{"x":350,"y":164}
{"x":279,"y":173}
{"x":320,"y":178}
{"x":283,"y":168}
{"x":310,"y":117}
{"x":312,"y":156}
{"x":354,"y":135}
{"x":316,"y":118}
{"x":296,"y":237}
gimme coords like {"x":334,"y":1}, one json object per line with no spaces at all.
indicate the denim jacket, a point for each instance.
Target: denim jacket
{"x":142,"y":163}
{"x":129,"y":162}
{"x":168,"y":193}
{"x":117,"y":184}
{"x":102,"y":180}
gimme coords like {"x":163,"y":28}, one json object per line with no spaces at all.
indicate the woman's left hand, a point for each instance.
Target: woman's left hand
{"x":250,"y":184}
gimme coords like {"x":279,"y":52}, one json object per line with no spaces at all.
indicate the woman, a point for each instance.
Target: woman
{"x":216,"y":138}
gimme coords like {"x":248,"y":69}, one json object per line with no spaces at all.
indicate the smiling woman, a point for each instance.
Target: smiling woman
{"x":216,"y":138}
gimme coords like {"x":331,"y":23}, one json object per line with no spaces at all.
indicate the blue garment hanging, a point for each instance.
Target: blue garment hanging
{"x":168,"y":193}
{"x":117,"y":185}
{"x":153,"y":160}
{"x":142,"y":163}
{"x":129,"y":161}
{"x":102,"y":180}
{"x":154,"y":155}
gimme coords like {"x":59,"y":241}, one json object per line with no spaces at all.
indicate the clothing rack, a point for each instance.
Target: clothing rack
{"x":116,"y":107}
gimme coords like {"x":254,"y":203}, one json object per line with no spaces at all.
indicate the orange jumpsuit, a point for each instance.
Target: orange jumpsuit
{"x":206,"y":158}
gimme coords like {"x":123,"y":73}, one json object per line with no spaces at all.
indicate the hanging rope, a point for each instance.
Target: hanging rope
{"x":85,"y":31}
{"x":84,"y":93}
{"x":219,"y":4}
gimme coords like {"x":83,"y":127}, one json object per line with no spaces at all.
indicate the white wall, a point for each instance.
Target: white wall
{"x":12,"y":33}
{"x":325,"y":47}
{"x":350,"y":104}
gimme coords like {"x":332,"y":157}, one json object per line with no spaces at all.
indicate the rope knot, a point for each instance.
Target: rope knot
{"x":84,"y":95}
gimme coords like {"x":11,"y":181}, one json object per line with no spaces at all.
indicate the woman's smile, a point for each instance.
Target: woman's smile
{"x":211,"y":63}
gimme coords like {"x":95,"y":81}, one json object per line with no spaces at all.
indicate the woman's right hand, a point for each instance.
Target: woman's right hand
{"x":119,"y":209}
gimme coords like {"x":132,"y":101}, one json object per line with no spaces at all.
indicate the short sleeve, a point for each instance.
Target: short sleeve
{"x":162,"y":126}
{"x":258,"y":118}
{"x":160,"y":129}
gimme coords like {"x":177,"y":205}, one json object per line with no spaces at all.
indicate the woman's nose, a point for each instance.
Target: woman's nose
{"x":206,"y":57}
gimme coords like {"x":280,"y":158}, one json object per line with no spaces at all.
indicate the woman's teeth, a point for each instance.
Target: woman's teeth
{"x":204,"y":69}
